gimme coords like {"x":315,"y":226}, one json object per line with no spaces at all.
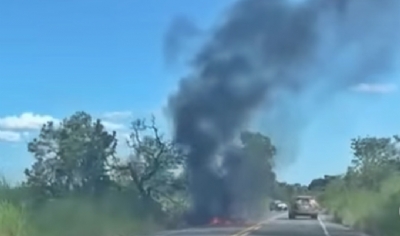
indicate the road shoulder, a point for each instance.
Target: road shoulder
{"x":332,"y":228}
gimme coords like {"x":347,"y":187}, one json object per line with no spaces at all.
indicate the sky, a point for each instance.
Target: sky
{"x":106,"y":58}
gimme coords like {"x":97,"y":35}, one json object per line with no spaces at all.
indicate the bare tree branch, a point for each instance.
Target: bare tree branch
{"x":153,"y":158}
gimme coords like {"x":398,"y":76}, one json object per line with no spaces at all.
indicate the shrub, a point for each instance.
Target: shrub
{"x":116,"y":213}
{"x":374,"y":212}
{"x":13,"y":220}
{"x":80,"y":217}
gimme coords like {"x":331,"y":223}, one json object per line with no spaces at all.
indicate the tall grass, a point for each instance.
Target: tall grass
{"x":13,"y":220}
{"x":114,"y":214}
{"x":375,"y":212}
{"x":79,"y":216}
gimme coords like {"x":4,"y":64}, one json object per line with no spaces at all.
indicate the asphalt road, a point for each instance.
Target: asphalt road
{"x":276,"y":225}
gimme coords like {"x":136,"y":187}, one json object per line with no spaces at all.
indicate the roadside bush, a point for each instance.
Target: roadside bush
{"x":13,"y":221}
{"x":375,"y":212}
{"x":81,"y":217}
{"x":116,"y":213}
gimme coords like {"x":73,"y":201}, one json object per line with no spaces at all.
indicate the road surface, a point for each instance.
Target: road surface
{"x":277,"y":225}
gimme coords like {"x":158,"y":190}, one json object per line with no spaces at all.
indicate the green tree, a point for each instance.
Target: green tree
{"x":320,"y":184}
{"x":253,"y":175}
{"x":71,"y":156}
{"x":154,"y":164}
{"x":373,"y":160}
{"x":285,"y":191}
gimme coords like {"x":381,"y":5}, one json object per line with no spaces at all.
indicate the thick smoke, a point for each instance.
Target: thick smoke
{"x":264,"y":55}
{"x":182,"y":29}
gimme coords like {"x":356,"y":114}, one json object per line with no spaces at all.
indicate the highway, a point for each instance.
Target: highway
{"x":276,"y":225}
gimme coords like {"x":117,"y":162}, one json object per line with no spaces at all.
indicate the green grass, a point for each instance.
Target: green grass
{"x":84,"y":217}
{"x":13,"y":221}
{"x":115,"y":214}
{"x":374,"y":212}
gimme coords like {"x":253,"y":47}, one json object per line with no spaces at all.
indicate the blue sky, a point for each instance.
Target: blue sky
{"x":107,"y":58}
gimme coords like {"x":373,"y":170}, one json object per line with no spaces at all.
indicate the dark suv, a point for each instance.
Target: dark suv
{"x":303,"y":206}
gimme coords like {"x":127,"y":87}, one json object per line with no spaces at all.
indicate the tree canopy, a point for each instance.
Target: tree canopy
{"x":71,"y":156}
{"x":78,"y":157}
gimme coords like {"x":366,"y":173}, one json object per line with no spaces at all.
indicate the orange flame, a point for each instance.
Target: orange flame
{"x":217,"y":221}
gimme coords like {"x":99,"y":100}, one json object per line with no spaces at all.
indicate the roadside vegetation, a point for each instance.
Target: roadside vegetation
{"x":367,"y":196}
{"x":79,"y":185}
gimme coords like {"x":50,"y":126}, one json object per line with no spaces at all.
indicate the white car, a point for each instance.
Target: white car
{"x":278,"y":205}
{"x":282,"y":206}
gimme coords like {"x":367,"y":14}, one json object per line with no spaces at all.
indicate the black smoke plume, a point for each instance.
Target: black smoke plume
{"x":265,"y":53}
{"x":181,"y":30}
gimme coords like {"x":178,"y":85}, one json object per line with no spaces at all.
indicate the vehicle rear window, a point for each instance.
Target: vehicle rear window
{"x":303,"y":200}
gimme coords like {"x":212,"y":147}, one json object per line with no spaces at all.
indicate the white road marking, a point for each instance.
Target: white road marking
{"x":321,"y":223}
{"x":257,"y":226}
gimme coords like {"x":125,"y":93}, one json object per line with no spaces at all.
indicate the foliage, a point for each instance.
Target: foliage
{"x":255,"y":177}
{"x":320,"y":184}
{"x":78,"y":177}
{"x":286,"y":191}
{"x":368,"y":195}
{"x":153,"y":164}
{"x":13,"y":220}
{"x":71,"y":157}
{"x":374,"y":160}
{"x":111,"y":215}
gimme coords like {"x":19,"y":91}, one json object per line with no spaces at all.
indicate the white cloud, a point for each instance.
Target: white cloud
{"x":10,"y":136}
{"x":118,"y":115}
{"x":26,"y":121}
{"x":15,"y":128}
{"x":25,"y":134}
{"x":375,"y":88}
{"x":113,"y":126}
